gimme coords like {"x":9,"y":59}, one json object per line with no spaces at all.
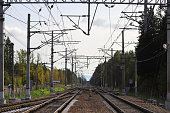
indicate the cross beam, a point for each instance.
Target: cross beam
{"x":135,"y":2}
{"x":90,"y":57}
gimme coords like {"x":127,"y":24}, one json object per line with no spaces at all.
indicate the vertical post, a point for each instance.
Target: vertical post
{"x":36,"y":87}
{"x":75,"y":76}
{"x":72,"y":74}
{"x":87,"y":62}
{"x":28,"y":96}
{"x":101,"y":75}
{"x":111,"y":68}
{"x":106,"y":83}
{"x":167,"y":103}
{"x":2,"y":99}
{"x":145,"y":16}
{"x":88,"y":32}
{"x":51,"y":89}
{"x":12,"y":49}
{"x":81,"y":80}
{"x":123,"y":64}
{"x":136,"y":77}
{"x":66,"y":69}
{"x":45,"y":75}
{"x":77,"y":79}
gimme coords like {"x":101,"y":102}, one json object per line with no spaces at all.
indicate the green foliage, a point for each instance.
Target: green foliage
{"x":115,"y":62}
{"x":8,"y":61}
{"x":40,"y":93}
{"x":58,"y":89}
{"x":150,"y":53}
{"x":43,"y":92}
{"x":39,"y":74}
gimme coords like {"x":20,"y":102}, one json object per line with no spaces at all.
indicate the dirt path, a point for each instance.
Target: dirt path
{"x":86,"y":105}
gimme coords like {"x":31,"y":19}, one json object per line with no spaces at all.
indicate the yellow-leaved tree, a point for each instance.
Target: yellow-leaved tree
{"x":47,"y":76}
{"x":41,"y":78}
{"x":56,"y":74}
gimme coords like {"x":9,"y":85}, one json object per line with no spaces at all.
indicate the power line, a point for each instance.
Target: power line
{"x":148,"y":59}
{"x":15,"y":18}
{"x":15,"y":38}
{"x":116,"y":27}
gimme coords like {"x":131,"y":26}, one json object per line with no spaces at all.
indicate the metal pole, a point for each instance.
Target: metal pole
{"x":136,"y":77}
{"x":106,"y":83}
{"x":51,"y":90}
{"x":123,"y":64}
{"x":105,"y":74}
{"x":167,"y":103}
{"x":111,"y":68}
{"x":145,"y":16}
{"x":66,"y":69}
{"x":37,"y":76}
{"x":12,"y":49}
{"x":75,"y":76}
{"x":72,"y":74}
{"x":81,"y":80}
{"x":2,"y":99}
{"x":88,"y":18}
{"x":101,"y":75}
{"x":28,"y":96}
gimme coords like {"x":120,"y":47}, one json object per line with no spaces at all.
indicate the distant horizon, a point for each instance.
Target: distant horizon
{"x":87,"y":77}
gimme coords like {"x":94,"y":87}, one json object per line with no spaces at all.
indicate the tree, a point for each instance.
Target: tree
{"x":8,"y":61}
{"x":20,"y":65}
{"x":151,"y":55}
{"x":56,"y":74}
{"x":41,"y":77}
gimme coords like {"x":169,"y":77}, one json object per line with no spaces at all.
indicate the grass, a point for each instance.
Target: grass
{"x":40,"y":93}
{"x":44,"y":92}
{"x":144,"y":96}
{"x":117,"y":90}
{"x":58,"y":89}
{"x":37,"y":93}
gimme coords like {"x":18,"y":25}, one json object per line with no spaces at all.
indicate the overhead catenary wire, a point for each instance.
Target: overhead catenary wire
{"x":116,"y":27}
{"x":15,"y":38}
{"x":151,"y":58}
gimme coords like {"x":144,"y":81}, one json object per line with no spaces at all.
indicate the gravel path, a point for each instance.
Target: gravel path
{"x":84,"y":105}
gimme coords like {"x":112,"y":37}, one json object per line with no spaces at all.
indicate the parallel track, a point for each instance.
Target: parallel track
{"x":121,"y":105}
{"x":24,"y":105}
{"x":53,"y":105}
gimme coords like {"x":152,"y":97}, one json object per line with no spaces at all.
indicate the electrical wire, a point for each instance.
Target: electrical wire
{"x":157,"y":55}
{"x":15,"y":38}
{"x":15,"y":18}
{"x":116,"y":27}
{"x":123,"y":29}
{"x":36,"y":13}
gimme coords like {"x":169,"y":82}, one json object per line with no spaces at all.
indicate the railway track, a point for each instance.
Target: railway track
{"x":27,"y":104}
{"x":121,"y":105}
{"x":54,"y":105}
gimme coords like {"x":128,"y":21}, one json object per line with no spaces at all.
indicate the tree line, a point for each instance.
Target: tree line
{"x":39,"y":73}
{"x":151,"y":58}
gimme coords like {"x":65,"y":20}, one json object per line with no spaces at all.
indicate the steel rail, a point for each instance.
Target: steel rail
{"x":26,"y":103}
{"x":112,"y":104}
{"x":62,"y":107}
{"x":138,"y":107}
{"x":45,"y":103}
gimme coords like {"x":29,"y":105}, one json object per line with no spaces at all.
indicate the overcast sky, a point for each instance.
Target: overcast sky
{"x":104,"y":31}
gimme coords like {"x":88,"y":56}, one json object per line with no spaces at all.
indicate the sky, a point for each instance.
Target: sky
{"x":104,"y":31}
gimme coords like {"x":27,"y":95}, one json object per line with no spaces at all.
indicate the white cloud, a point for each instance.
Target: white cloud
{"x":16,"y":31}
{"x":16,"y":35}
